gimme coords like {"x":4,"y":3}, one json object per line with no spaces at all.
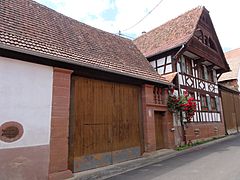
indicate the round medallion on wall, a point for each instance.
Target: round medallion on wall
{"x":11,"y":131}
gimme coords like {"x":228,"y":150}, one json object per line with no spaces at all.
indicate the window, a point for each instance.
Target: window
{"x":214,"y":75}
{"x":210,"y":75}
{"x":162,"y":65}
{"x":183,"y":64}
{"x":204,"y":104}
{"x":201,"y":72}
{"x":213,"y":104}
{"x":189,"y":66}
{"x":217,"y":103}
{"x":153,"y":63}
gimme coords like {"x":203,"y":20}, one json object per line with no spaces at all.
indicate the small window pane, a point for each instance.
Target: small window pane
{"x":205,"y":73}
{"x":168,"y":68}
{"x":204,"y":104}
{"x":183,"y":65}
{"x":209,"y":103}
{"x":161,"y":62}
{"x":153,"y":63}
{"x":169,"y":59}
{"x":213,"y":104}
{"x":189,"y":66}
{"x":214,"y":76}
{"x":178,"y":67}
{"x":160,"y":70}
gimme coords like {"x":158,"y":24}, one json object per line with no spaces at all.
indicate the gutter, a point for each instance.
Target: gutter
{"x":74,"y":62}
{"x":164,"y":51}
{"x":183,"y":46}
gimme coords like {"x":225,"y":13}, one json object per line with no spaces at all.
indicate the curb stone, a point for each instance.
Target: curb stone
{"x":145,"y":160}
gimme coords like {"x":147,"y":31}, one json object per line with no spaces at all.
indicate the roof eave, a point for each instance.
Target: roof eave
{"x":160,"y":52}
{"x":65,"y":60}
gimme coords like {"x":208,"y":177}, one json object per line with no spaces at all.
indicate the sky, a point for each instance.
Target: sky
{"x":118,"y":15}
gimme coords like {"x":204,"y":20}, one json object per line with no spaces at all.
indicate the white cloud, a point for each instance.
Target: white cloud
{"x":224,"y":15}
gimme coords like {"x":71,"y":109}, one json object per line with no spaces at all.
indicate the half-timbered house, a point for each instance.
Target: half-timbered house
{"x":186,"y":50}
{"x":73,"y":97}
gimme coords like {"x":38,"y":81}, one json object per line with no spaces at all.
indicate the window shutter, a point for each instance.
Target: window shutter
{"x":209,"y":103}
{"x":217,"y":103}
{"x":214,"y":76}
{"x":183,"y":64}
{"x":205,"y":73}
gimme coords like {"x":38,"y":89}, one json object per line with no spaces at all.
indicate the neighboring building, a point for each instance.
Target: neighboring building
{"x":232,"y":79}
{"x":229,"y":87}
{"x":188,"y":49}
{"x":231,"y":108}
{"x":73,"y":97}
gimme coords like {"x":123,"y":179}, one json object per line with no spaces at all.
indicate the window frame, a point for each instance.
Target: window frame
{"x":164,"y":65}
{"x":203,"y":102}
{"x":201,"y":73}
{"x":213,"y":103}
{"x":188,"y":65}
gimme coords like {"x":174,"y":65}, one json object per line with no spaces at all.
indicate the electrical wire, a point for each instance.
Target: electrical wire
{"x":143,"y":17}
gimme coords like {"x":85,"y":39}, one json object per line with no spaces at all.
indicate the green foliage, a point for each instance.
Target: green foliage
{"x":196,"y":143}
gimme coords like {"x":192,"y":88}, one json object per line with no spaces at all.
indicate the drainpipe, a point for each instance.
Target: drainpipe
{"x":179,"y":91}
{"x":174,"y":57}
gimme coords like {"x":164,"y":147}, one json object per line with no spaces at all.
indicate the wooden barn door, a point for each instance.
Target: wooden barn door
{"x":230,"y":115}
{"x":237,"y":110}
{"x":104,"y":125}
{"x":159,"y":130}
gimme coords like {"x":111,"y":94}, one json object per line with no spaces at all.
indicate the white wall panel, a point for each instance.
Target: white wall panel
{"x":26,"y":97}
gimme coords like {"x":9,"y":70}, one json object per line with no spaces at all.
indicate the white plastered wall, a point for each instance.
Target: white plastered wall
{"x":26,"y":97}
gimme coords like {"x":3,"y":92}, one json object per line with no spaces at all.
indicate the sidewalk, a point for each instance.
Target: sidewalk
{"x":146,"y":159}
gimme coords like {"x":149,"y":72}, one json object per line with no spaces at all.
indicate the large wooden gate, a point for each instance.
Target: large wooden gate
{"x":231,"y":109}
{"x":104,"y":123}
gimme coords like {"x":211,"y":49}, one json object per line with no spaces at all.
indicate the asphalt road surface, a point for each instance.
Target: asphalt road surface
{"x":219,"y":161}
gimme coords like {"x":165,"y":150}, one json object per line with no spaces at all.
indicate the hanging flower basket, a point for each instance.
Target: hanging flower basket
{"x":183,"y":103}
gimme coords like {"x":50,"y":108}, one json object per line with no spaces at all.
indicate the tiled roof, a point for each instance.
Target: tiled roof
{"x":33,"y":27}
{"x":172,"y":34}
{"x":233,"y":59}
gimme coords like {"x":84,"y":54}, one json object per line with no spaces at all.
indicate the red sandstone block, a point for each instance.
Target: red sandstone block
{"x":62,"y":121}
{"x":58,"y":154}
{"x":59,"y":131}
{"x":58,"y":164}
{"x":60,"y":114}
{"x":64,"y":75}
{"x":61,"y":101}
{"x":60,"y":108}
{"x":61,"y":82}
{"x":60,"y":175}
{"x":61,"y":91}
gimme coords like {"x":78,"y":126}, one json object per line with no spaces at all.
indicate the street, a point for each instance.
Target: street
{"x":217,"y":162}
